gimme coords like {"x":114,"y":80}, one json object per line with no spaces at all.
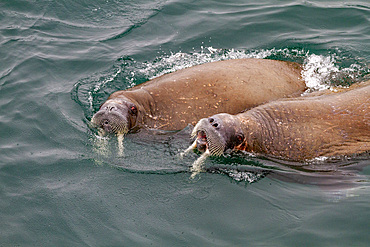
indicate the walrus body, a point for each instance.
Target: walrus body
{"x":299,"y":129}
{"x":172,"y":101}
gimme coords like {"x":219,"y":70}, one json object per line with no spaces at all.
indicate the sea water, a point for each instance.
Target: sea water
{"x":63,"y":185}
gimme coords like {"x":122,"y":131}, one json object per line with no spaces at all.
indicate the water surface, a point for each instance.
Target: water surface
{"x":61,"y":185}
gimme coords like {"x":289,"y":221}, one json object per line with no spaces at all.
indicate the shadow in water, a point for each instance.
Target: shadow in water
{"x":158,"y":152}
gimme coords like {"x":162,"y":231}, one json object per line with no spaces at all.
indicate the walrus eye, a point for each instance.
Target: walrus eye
{"x":239,"y":139}
{"x":133,"y":110}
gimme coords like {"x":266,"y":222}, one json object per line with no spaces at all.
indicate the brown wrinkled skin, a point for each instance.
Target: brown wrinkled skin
{"x":172,"y":101}
{"x":300,"y":129}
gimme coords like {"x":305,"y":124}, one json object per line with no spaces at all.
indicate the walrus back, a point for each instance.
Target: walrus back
{"x":327,"y":125}
{"x":185,"y":96}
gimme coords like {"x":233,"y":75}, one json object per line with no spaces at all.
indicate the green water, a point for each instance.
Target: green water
{"x":60,"y":185}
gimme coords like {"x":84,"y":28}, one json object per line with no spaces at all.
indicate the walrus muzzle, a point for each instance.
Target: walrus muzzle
{"x":112,"y":118}
{"x":217,"y":133}
{"x":109,"y":123}
{"x":208,"y":138}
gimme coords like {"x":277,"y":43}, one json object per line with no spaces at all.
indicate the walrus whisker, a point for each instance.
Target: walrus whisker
{"x":197,"y":166}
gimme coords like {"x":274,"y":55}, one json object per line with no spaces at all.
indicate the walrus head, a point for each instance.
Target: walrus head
{"x":217,"y":134}
{"x":115,"y":116}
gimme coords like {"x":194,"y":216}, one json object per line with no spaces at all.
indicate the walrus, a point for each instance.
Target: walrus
{"x":175,"y":100}
{"x":297,"y":129}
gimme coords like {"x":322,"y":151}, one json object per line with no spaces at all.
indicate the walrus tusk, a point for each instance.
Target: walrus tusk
{"x":120,"y":138}
{"x":101,"y":133}
{"x":197,"y":166}
{"x":190,"y":148}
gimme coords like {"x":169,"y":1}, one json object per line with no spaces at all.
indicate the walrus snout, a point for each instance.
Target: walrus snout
{"x":208,"y":136}
{"x":201,"y":141}
{"x":109,"y":123}
{"x":112,"y":118}
{"x":106,"y":125}
{"x":217,"y":133}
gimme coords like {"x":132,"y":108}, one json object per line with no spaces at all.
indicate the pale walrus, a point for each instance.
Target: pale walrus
{"x":172,"y":101}
{"x":299,"y":129}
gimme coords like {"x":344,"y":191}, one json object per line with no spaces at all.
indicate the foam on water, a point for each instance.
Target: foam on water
{"x":323,"y":72}
{"x":317,"y":70}
{"x":241,"y":176}
{"x":101,"y":84}
{"x":180,"y":60}
{"x":334,"y":69}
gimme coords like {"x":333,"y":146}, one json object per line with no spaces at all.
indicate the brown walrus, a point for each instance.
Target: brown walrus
{"x":172,"y":101}
{"x":299,"y":129}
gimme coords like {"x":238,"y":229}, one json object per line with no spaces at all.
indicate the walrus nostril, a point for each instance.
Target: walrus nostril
{"x":211,"y":120}
{"x":215,"y":125}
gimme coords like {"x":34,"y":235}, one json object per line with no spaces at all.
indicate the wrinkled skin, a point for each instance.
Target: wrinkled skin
{"x":173,"y":101}
{"x":298,"y":129}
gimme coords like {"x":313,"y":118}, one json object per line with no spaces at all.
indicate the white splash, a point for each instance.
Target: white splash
{"x":318,"y":70}
{"x":101,"y":84}
{"x":321,"y":159}
{"x":198,"y":165}
{"x":101,"y":145}
{"x":323,"y":72}
{"x":244,"y":176}
{"x":181,"y":60}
